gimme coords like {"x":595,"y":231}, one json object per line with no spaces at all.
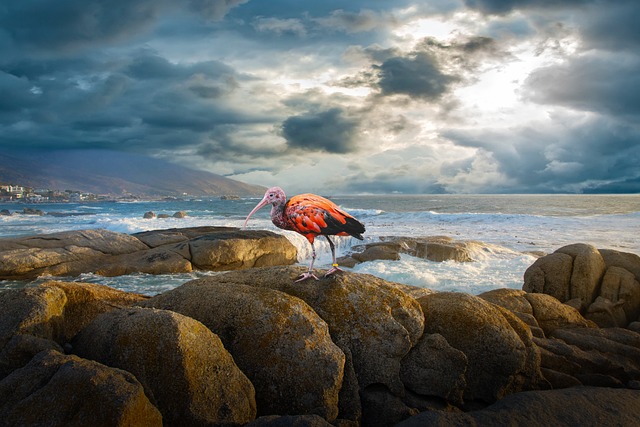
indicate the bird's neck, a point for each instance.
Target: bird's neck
{"x":277,"y":215}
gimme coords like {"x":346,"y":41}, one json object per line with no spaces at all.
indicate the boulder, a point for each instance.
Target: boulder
{"x":606,"y":313}
{"x":434,"y":248}
{"x":516,"y":302}
{"x":63,"y":390}
{"x":619,"y":285}
{"x":163,"y":216}
{"x":31,"y":311}
{"x":56,"y":310}
{"x":374,"y":322}
{"x":20,"y":349}
{"x":289,"y":421}
{"x":502,"y":358}
{"x":550,"y":314}
{"x":49,"y":316}
{"x":378,"y":251}
{"x":86,"y":301}
{"x":184,"y":368}
{"x":577,"y":406}
{"x":550,"y":275}
{"x":235,"y":250}
{"x":156,"y":252}
{"x":588,"y":269}
{"x":434,"y":368}
{"x":149,"y":215}
{"x":51,"y":254}
{"x":180,"y":214}
{"x":603,"y":284}
{"x":276,"y":339}
{"x":626,"y":260}
{"x":372,"y":318}
{"x":608,"y":356}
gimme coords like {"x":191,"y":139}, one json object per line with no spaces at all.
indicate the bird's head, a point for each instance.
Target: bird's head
{"x":274,"y":195}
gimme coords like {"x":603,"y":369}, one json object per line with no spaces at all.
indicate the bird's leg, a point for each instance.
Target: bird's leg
{"x":309,"y":274}
{"x":334,"y":265}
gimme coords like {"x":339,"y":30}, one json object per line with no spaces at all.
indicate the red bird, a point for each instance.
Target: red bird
{"x":311,"y":216}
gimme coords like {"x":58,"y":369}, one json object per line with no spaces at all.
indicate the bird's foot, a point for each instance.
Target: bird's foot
{"x":334,"y":269}
{"x":306,"y":276}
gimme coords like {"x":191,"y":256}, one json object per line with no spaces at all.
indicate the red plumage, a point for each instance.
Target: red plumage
{"x":312,"y":215}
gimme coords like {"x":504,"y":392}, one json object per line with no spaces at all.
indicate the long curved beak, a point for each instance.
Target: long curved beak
{"x":263,"y":202}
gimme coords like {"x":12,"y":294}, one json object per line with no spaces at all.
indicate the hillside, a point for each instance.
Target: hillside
{"x":112,"y":172}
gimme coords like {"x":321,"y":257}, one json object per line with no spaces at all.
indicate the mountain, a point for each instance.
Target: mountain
{"x":113,"y":172}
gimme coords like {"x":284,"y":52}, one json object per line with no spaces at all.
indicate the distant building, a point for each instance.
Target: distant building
{"x":12,"y":192}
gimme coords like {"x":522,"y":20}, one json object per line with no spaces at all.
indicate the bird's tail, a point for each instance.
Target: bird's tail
{"x":354,"y":227}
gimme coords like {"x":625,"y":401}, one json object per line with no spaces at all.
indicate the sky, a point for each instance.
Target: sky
{"x":336,"y":97}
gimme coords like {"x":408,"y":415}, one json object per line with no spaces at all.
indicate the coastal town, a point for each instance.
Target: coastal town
{"x":19,"y":193}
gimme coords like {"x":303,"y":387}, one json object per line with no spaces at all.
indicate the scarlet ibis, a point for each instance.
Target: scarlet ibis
{"x":311,"y":216}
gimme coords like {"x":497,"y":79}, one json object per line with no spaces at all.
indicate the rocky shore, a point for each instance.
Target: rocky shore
{"x":251,"y":347}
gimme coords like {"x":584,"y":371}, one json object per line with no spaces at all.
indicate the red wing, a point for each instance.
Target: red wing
{"x":310,"y":214}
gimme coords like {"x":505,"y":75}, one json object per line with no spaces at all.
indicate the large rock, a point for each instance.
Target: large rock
{"x":502,"y":358}
{"x":434,"y":248}
{"x":604,"y":284}
{"x":550,"y":275}
{"x":374,"y":322}
{"x":48,"y":316}
{"x":588,"y":269}
{"x":277,"y":340}
{"x":57,"y":310}
{"x":31,"y":311}
{"x":434,"y":368}
{"x":184,"y":368}
{"x":551,"y":314}
{"x":371,"y":317}
{"x":619,"y":285}
{"x":155,"y":252}
{"x":59,"y":390}
{"x":599,"y":357}
{"x":235,"y":250}
{"x":578,"y":406}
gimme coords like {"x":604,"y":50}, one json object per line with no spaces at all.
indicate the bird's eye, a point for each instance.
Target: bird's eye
{"x":272,"y":195}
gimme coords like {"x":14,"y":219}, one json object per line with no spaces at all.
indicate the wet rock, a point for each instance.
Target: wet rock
{"x":289,"y":421}
{"x":49,"y":316}
{"x":67,"y":391}
{"x":577,"y":406}
{"x":149,"y":215}
{"x":156,"y":252}
{"x":602,"y":284}
{"x":180,"y":214}
{"x":501,"y":359}
{"x":184,"y":368}
{"x":371,"y":320}
{"x":277,"y":340}
{"x":434,"y":368}
{"x":551,"y":314}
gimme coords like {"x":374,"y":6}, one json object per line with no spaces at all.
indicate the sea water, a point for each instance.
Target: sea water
{"x":511,"y":226}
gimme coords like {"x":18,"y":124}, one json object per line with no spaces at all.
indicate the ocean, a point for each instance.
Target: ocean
{"x":510,"y":225}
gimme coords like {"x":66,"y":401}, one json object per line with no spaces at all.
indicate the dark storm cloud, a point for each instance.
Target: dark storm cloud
{"x":417,"y":76}
{"x":71,"y":24}
{"x":583,"y":157}
{"x":500,"y":7}
{"x":612,"y":26}
{"x":604,"y":83}
{"x":329,"y":130}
